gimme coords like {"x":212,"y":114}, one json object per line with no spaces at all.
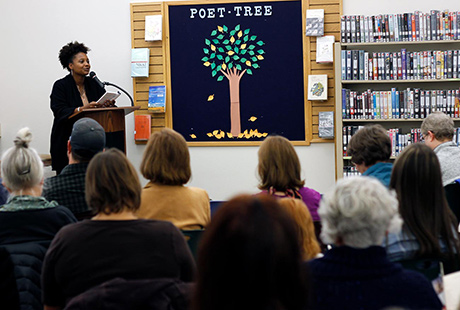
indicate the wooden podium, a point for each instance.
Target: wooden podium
{"x":112,"y":120}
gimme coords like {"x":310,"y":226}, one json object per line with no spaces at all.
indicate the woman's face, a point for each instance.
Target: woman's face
{"x":80,"y":64}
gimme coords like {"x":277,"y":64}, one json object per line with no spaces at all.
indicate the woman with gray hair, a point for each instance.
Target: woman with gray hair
{"x":355,"y":273}
{"x":28,"y":224}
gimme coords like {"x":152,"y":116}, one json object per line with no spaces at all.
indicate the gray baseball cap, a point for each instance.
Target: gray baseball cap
{"x":88,"y":137}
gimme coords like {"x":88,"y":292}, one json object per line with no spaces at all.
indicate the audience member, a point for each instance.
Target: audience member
{"x":166,"y":163}
{"x":114,"y":243}
{"x":249,"y":258}
{"x":438,"y":131}
{"x":370,"y":151}
{"x":279,"y":173}
{"x":28,"y":224}
{"x":309,"y":245}
{"x":3,"y":193}
{"x":355,"y":273}
{"x":68,"y":188}
{"x":429,"y":229}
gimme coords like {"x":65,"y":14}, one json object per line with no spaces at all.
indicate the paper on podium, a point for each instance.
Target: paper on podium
{"x":108,"y":96}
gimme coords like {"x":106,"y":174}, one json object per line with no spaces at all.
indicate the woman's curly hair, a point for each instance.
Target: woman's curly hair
{"x":68,"y":52}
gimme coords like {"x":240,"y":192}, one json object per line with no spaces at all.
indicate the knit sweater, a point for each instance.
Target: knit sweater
{"x":380,"y":171}
{"x":449,"y":156}
{"x":350,"y":278}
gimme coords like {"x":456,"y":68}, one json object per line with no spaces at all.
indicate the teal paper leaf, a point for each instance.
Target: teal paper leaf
{"x":220,"y":78}
{"x":237,"y":42}
{"x":238,"y":67}
{"x":251,"y":53}
{"x":236,"y":57}
{"x":255,"y":66}
{"x":225,"y":28}
{"x":254,"y":59}
{"x":228,"y":47}
{"x":220,"y":57}
{"x":236,"y":49}
{"x":226,"y":41}
{"x":218,"y":68}
{"x":207,"y":42}
{"x":215,"y":41}
{"x":230,"y":65}
{"x":253,"y":38}
{"x":213,"y":65}
{"x":204,"y":59}
{"x":220,"y":49}
{"x":261,"y":52}
{"x":260,"y":43}
{"x":249,"y":71}
{"x":232,"y":33}
{"x":212,"y":56}
{"x":227,"y":59}
{"x":220,"y":36}
{"x":251,"y":47}
{"x":243,"y":52}
{"x":214,"y":73}
{"x":205,"y":50}
{"x":243,"y":60}
{"x":237,"y":28}
{"x":214,"y":32}
{"x":246,"y":31}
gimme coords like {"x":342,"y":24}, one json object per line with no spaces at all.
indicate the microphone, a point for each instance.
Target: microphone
{"x":92,"y":75}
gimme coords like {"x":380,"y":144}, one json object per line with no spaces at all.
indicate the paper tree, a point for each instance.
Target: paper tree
{"x":230,"y":54}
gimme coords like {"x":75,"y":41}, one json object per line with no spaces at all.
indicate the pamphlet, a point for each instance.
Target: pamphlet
{"x":157,"y":99}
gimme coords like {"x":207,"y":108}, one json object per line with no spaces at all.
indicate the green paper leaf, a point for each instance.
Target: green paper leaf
{"x":215,"y":41}
{"x":253,"y":38}
{"x":226,"y":41}
{"x":236,"y":57}
{"x":204,"y":59}
{"x":218,"y":68}
{"x":243,"y":60}
{"x":213,"y":73}
{"x":254,"y":59}
{"x":249,"y":71}
{"x":214,"y":32}
{"x":220,"y":57}
{"x":260,"y":43}
{"x":238,"y":67}
{"x":237,"y":28}
{"x":251,"y":53}
{"x":221,"y":50}
{"x":205,"y":50}
{"x":220,"y":78}
{"x":225,"y":28}
{"x":246,"y":31}
{"x":220,"y":36}
{"x":261,"y":52}
{"x":228,"y":47}
{"x":251,"y":47}
{"x":227,"y":59}
{"x":255,"y":66}
{"x":237,"y":42}
{"x":246,"y":38}
{"x":232,"y":33}
{"x":243,"y":52}
{"x":236,"y":49}
{"x":212,"y":56}
{"x":207,"y":42}
{"x":213,"y":65}
{"x":230,"y":65}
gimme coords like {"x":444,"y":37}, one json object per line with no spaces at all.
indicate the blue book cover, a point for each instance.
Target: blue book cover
{"x":344,"y":103}
{"x":157,"y":98}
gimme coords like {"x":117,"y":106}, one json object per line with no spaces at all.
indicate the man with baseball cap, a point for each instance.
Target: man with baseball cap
{"x":68,"y":188}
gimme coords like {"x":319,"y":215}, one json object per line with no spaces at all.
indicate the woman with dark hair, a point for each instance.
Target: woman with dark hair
{"x":114,"y":243}
{"x":249,"y":258}
{"x":166,"y":163}
{"x":279,"y":172}
{"x":429,"y":229}
{"x":73,"y":93}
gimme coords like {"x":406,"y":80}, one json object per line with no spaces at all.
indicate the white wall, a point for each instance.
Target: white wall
{"x":32,"y":32}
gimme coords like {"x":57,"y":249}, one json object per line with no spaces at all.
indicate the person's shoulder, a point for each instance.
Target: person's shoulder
{"x":63,"y":81}
{"x":310,"y":192}
{"x":197,"y":190}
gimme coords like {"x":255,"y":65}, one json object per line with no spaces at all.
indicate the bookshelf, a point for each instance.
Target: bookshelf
{"x":404,"y":124}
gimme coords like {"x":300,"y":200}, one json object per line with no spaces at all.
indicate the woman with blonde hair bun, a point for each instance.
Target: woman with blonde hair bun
{"x":28,"y":224}
{"x":309,"y":245}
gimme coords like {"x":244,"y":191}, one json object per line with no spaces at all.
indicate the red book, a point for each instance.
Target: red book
{"x":142,"y":127}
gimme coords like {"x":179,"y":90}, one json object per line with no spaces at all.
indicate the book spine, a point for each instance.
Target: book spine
{"x":343,"y":55}
{"x":348,"y":28}
{"x":394,"y":66}
{"x":358,"y":29}
{"x":403,"y":63}
{"x":457,"y":104}
{"x":353,"y":29}
{"x":343,"y":29}
{"x":428,"y":27}
{"x":362,"y":29}
{"x":366,"y":28}
{"x":355,"y":64}
{"x":344,"y":103}
{"x":366,"y":65}
{"x":422,"y":104}
{"x":449,"y":64}
{"x":375,"y":66}
{"x":416,"y":25}
{"x":349,"y":65}
{"x":427,"y":102}
{"x":361,"y":64}
{"x":371,"y":69}
{"x":455,"y":64}
{"x":391,"y":23}
{"x":417,"y":102}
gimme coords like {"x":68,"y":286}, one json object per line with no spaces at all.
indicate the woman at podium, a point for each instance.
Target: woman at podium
{"x":71,"y":94}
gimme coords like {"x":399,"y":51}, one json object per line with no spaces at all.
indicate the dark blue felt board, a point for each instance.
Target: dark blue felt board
{"x":274,"y":93}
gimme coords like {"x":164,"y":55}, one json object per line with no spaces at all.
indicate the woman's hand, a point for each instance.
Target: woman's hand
{"x":91,"y":105}
{"x":109,"y":103}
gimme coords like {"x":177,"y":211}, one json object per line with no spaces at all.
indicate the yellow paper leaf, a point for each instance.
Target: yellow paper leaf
{"x":260,"y":57}
{"x":209,"y":134}
{"x":240,"y":34}
{"x":241,"y":135}
{"x":224,"y":66}
{"x":218,"y":136}
{"x":259,"y":135}
{"x":207,"y":64}
{"x":245,"y":132}
{"x":248,"y":63}
{"x":211,"y":97}
{"x":252,"y":119}
{"x":230,"y":53}
{"x":251,"y":132}
{"x":256,"y":131}
{"x":243,"y":46}
{"x":215,"y":132}
{"x":193,"y":136}
{"x":213,"y":48}
{"x":229,"y":135}
{"x":247,"y":136}
{"x":222,"y":134}
{"x":232,"y":39}
{"x":264,"y":134}
{"x":220,"y":28}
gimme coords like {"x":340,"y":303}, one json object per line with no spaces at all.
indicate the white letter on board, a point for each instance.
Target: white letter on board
{"x":202,"y":13}
{"x":247,"y":11}
{"x":192,"y":13}
{"x":257,"y":10}
{"x":221,"y":12}
{"x":237,"y":10}
{"x":268,"y":10}
{"x":211,"y":13}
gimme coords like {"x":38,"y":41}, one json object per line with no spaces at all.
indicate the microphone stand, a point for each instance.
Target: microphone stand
{"x":129,"y":96}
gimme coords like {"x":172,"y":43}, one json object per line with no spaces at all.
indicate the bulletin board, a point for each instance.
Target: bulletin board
{"x":272,"y":99}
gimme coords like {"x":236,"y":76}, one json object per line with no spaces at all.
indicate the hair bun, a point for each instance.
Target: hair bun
{"x":23,"y":138}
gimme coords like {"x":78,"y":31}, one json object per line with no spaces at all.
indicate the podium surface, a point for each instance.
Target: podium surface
{"x":112,"y":120}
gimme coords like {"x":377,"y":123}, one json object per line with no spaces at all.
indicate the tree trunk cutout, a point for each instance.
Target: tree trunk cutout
{"x":234,"y":77}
